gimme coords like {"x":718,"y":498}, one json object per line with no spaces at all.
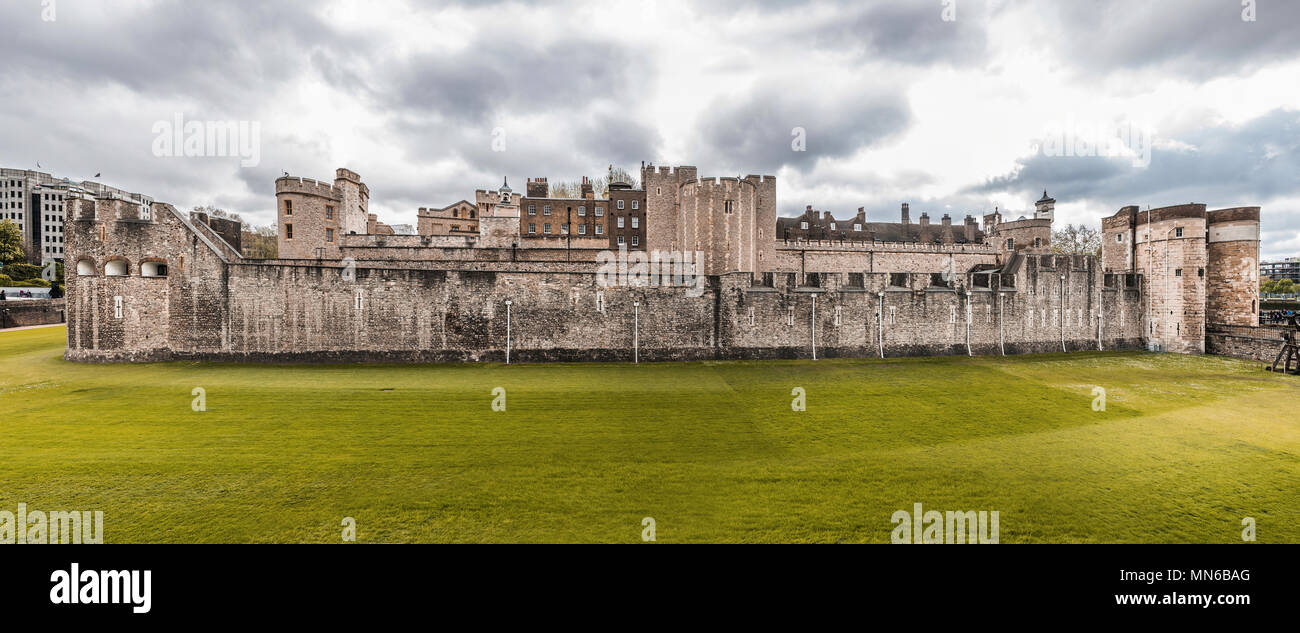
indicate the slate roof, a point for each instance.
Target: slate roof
{"x":819,"y":228}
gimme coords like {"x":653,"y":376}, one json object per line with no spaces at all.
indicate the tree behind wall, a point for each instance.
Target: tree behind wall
{"x":11,"y":244}
{"x":573,"y":188}
{"x":1076,"y":240}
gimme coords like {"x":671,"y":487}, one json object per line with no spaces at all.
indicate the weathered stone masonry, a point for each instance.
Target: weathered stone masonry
{"x":210,"y":304}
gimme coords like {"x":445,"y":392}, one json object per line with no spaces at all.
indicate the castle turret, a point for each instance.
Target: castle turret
{"x":1232,"y":267}
{"x":1045,"y":208}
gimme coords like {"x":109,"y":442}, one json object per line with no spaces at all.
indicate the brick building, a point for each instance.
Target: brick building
{"x":627,"y":224}
{"x":821,"y":225}
{"x":454,"y":219}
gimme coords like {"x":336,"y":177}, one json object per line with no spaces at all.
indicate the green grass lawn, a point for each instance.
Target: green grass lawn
{"x":1186,"y":448}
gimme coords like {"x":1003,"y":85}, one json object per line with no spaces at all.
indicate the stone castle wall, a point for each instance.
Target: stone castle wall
{"x":1257,"y":343}
{"x":211,"y":306}
{"x":1232,"y":267}
{"x":28,"y":312}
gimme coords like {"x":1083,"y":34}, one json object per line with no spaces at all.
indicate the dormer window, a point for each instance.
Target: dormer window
{"x":803,"y":225}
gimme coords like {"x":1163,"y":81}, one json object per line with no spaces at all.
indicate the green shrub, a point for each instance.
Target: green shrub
{"x":30,"y":283}
{"x":21,"y":272}
{"x":5,"y":280}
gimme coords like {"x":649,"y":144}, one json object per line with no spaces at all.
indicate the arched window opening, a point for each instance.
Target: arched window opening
{"x":115,"y":268}
{"x":153,"y":269}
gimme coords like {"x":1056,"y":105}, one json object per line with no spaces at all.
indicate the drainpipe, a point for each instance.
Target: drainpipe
{"x":880,"y":321}
{"x":814,"y":327}
{"x":968,"y":350}
{"x":508,"y":302}
{"x":1101,"y":308}
{"x":1002,"y":339}
{"x":636,"y":332}
{"x":1064,"y":316}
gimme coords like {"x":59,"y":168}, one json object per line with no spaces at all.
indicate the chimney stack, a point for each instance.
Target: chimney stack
{"x":588,"y":191}
{"x":970,"y":228}
{"x":947,"y":221}
{"x":905,"y":214}
{"x":537,"y":188}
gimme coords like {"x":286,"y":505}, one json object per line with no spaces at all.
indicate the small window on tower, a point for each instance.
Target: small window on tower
{"x":1178,"y":232}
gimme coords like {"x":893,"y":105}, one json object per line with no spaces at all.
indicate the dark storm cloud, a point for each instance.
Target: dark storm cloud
{"x":214,"y":52}
{"x":1246,"y":165}
{"x":1198,"y":39}
{"x":507,"y":72}
{"x":754,"y":128}
{"x":901,"y":32}
{"x":1227,"y":165}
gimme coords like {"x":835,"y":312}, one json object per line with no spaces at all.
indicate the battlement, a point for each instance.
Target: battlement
{"x":685,"y":172}
{"x":306,"y":186}
{"x":348,"y":175}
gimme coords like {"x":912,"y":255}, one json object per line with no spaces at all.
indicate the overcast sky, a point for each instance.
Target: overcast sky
{"x":896,"y":103}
